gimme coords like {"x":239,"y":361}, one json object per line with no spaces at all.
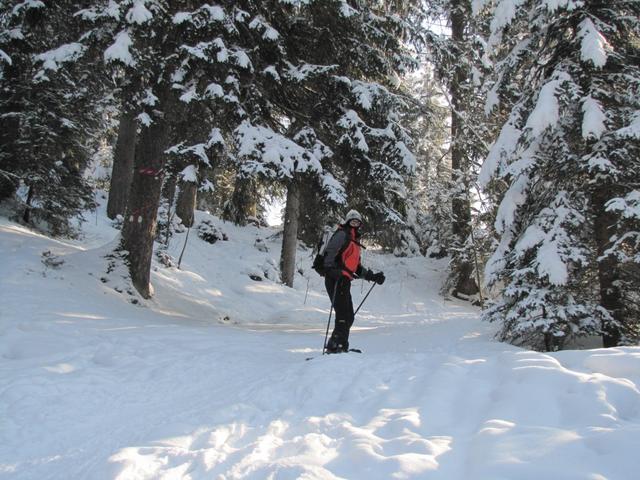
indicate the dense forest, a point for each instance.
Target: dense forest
{"x":501,"y":134}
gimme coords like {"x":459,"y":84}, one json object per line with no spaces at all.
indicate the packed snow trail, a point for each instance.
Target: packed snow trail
{"x":208,"y":379}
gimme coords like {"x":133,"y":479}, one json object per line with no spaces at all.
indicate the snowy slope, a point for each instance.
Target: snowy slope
{"x":208,"y":379}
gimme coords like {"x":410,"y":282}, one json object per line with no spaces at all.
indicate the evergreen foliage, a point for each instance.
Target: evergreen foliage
{"x":314,"y":100}
{"x":334,"y":112}
{"x":567,"y":71}
{"x":49,"y":116}
{"x":460,"y":63}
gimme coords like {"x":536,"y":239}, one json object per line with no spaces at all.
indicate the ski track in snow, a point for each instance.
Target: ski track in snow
{"x":208,"y":380}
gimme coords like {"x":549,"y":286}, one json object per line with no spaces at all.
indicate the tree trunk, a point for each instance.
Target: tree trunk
{"x":169,"y":193}
{"x":243,"y":202}
{"x":608,"y":270}
{"x":466,"y":281}
{"x":290,"y":234}
{"x":26,"y":216}
{"x":186,"y":204}
{"x":312,"y":216}
{"x":170,"y":187}
{"x":460,"y":207}
{"x":138,"y":232}
{"x":123,"y":159}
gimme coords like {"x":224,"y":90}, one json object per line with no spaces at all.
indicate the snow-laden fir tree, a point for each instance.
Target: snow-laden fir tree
{"x":365,"y":104}
{"x":329,"y":126}
{"x":274,"y":144}
{"x":170,"y":54}
{"x":374,"y":148}
{"x":460,"y":61}
{"x":569,"y":155}
{"x":49,"y":115}
{"x":429,"y":120}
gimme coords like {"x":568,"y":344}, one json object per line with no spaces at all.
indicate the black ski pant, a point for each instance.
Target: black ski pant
{"x":339,"y":292}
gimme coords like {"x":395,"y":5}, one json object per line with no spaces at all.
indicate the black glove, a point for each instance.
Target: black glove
{"x":378,"y":278}
{"x":368,"y":275}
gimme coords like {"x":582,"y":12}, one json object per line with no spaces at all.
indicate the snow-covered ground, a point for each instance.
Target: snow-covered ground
{"x":208,"y":380}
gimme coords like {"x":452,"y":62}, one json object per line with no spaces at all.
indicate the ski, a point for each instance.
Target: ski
{"x":351,"y":350}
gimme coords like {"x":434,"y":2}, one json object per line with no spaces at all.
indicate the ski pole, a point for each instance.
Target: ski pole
{"x":307,"y":292}
{"x":326,"y":334}
{"x":365,"y":297}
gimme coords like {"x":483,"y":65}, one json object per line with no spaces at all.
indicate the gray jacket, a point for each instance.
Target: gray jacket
{"x":336,"y":245}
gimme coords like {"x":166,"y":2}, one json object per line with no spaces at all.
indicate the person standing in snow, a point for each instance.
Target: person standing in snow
{"x":341,"y":265}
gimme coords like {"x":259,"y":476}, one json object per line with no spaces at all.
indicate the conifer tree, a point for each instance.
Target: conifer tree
{"x":569,"y":155}
{"x":327,"y":84}
{"x":49,"y":115}
{"x":460,"y":63}
{"x":373,"y":152}
{"x":430,"y":122}
{"x":168,"y":53}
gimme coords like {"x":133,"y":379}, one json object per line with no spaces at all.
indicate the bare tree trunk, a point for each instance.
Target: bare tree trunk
{"x":243,"y":202}
{"x":608,"y":270}
{"x":460,"y":207}
{"x":312,"y":214}
{"x":186,"y":204}
{"x":290,"y":234}
{"x":138,"y":232}
{"x":26,"y":216}
{"x":170,"y":187}
{"x":123,"y":159}
{"x":169,"y":192}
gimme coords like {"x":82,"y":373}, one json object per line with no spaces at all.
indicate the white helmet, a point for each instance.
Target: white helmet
{"x":353,"y":215}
